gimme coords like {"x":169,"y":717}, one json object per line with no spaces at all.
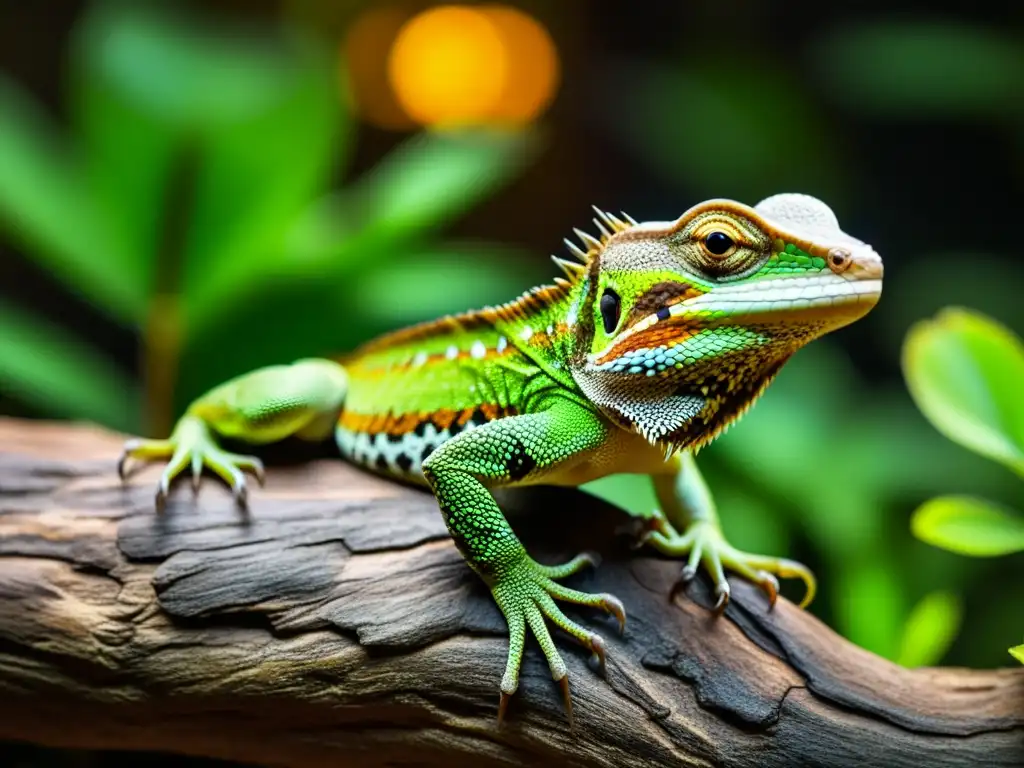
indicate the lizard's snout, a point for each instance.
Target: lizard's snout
{"x":862,"y":263}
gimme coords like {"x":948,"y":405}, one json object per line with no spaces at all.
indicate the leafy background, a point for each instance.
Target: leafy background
{"x":187,"y":191}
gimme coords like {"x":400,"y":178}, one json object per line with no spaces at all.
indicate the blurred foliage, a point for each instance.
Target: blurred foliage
{"x":924,"y":68}
{"x":826,"y":468}
{"x":930,"y":630}
{"x":838,"y":508}
{"x":193,"y":200}
{"x":202,"y":195}
{"x":965,"y":372}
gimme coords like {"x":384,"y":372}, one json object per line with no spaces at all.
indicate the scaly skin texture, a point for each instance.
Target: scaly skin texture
{"x":663,"y":334}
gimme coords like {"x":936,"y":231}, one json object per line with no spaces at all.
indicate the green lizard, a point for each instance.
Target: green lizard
{"x":662,"y":334}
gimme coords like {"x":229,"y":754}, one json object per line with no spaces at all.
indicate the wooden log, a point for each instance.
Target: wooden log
{"x":336,"y":624}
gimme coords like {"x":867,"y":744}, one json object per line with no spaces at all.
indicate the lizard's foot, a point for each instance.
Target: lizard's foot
{"x":192,"y":445}
{"x":704,"y":543}
{"x":526,"y":594}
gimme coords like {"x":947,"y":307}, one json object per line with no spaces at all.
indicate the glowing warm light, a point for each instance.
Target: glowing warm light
{"x":457,"y":65}
{"x":448,"y":66}
{"x":533,"y":65}
{"x":366,"y":47}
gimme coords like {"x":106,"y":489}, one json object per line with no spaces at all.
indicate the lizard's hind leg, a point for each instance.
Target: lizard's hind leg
{"x":303,"y":399}
{"x":687,"y":506}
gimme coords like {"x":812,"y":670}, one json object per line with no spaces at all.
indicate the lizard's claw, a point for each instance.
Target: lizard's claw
{"x":640,"y":529}
{"x":704,"y":544}
{"x":526,"y":594}
{"x":192,"y":446}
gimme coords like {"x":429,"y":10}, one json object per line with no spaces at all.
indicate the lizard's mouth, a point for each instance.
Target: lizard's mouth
{"x":682,"y":332}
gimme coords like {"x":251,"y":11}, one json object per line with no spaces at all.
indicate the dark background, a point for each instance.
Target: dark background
{"x":908,"y":118}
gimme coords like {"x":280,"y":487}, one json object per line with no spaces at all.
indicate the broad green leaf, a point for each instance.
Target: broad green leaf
{"x":968,"y":526}
{"x":919,"y":68}
{"x":1018,"y":653}
{"x":966,"y":374}
{"x":45,"y":204}
{"x":258,"y":178}
{"x":930,"y":630}
{"x":418,"y":188}
{"x":205,"y":146}
{"x":413,"y":191}
{"x":182,"y":71}
{"x":910,"y":463}
{"x":435,"y":177}
{"x":46,"y":367}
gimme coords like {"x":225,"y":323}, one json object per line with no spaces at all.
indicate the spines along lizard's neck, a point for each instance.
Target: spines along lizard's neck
{"x":546,"y":324}
{"x":543,"y":324}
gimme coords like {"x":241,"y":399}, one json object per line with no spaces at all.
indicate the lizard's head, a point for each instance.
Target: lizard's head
{"x":685,"y":323}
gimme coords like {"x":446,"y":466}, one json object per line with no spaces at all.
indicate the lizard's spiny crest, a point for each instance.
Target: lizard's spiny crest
{"x":608,"y":225}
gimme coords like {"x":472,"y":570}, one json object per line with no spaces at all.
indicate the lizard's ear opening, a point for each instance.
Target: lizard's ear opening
{"x":611,"y":310}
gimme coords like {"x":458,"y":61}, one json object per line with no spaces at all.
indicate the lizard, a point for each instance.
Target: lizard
{"x":659,"y":336}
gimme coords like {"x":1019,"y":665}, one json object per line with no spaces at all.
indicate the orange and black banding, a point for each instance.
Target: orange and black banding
{"x":667,"y":334}
{"x":398,"y":444}
{"x":398,"y":424}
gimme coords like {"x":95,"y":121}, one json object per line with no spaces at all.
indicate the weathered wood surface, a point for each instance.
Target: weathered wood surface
{"x":336,"y":624}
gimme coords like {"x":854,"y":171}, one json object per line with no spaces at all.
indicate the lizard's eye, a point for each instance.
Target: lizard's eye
{"x":718,"y":244}
{"x":611,"y":307}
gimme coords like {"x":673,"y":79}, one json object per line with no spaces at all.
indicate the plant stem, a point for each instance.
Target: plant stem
{"x":163,"y":333}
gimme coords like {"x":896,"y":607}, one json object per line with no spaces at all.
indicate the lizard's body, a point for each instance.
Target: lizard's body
{"x":410,"y":391}
{"x":662,"y":335}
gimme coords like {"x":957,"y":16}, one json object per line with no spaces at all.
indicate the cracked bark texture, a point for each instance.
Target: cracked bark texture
{"x":337,"y":623}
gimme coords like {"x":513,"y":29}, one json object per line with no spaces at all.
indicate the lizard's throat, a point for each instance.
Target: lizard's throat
{"x":686,"y":409}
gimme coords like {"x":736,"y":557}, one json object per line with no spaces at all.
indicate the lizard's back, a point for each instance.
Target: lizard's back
{"x":412,"y":390}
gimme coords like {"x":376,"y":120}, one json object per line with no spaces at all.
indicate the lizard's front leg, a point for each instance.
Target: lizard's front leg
{"x":503,"y":452}
{"x":687,"y":506}
{"x":266,"y":405}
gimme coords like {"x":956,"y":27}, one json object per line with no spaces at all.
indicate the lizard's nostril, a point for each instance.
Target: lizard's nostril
{"x":839,"y":260}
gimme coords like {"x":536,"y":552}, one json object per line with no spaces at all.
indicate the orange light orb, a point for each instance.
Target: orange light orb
{"x":366,"y":47}
{"x":533,"y":65}
{"x":448,"y":66}
{"x":454,"y":66}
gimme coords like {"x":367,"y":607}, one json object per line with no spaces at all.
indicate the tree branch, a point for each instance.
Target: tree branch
{"x":337,"y":622}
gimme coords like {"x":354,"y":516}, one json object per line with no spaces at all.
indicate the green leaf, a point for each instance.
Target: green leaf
{"x":250,"y":122}
{"x":45,"y":367}
{"x":966,"y":372}
{"x":435,"y":177}
{"x":185,"y":73}
{"x":968,"y":526}
{"x":418,"y":188}
{"x":1018,"y":653}
{"x":930,"y":630}
{"x":919,"y":68}
{"x":413,"y":191}
{"x":46,"y":205}
{"x":257,"y":179}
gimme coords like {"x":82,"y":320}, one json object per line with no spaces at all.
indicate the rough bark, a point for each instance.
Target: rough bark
{"x":336,"y":624}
